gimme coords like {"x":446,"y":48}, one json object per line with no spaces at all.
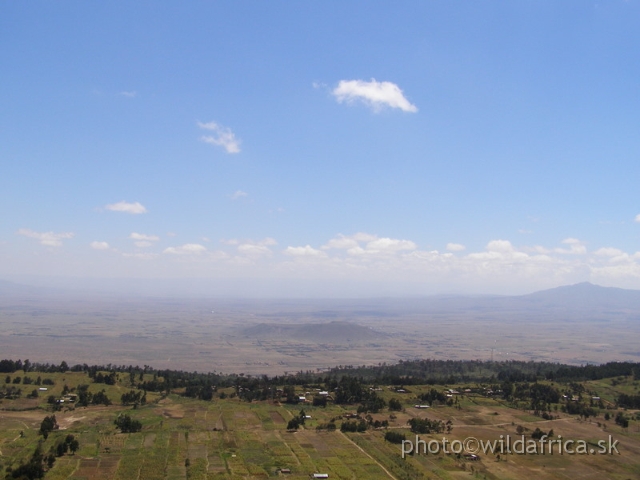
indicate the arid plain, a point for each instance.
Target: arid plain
{"x":577,"y":324}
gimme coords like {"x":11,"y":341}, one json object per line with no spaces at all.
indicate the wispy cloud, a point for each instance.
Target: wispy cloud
{"x":238,"y":194}
{"x":50,"y":239}
{"x":143,"y":237}
{"x":135,"y":208}
{"x":252,"y":248}
{"x":637,"y":219}
{"x":374,"y":94}
{"x":130,"y":94}
{"x":306,"y":251}
{"x":221,"y":136}
{"x":186,"y":249}
{"x":99,"y":245}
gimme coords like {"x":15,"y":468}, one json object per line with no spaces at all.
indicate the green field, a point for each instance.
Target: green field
{"x":183,"y":438}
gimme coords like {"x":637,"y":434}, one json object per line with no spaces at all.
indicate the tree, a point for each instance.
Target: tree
{"x":395,"y":405}
{"x":394,"y":437}
{"x":74,"y":445}
{"x":126,"y":424}
{"x":48,"y":425}
{"x":294,"y":423}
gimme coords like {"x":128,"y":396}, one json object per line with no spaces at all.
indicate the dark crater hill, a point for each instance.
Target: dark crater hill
{"x":330,"y":332}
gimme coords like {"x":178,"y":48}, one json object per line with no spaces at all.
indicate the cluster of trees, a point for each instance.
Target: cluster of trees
{"x":28,"y":380}
{"x":372,"y":403}
{"x":11,"y":366}
{"x":394,"y":437}
{"x":107,"y":379}
{"x":86,"y":398}
{"x":538,"y":434}
{"x":622,"y":420}
{"x":10,"y":393}
{"x":443,"y":372}
{"x":433,"y":395}
{"x":424,"y":425}
{"x":395,"y":405}
{"x":126,"y":424}
{"x":68,"y":444}
{"x":354,"y":426}
{"x":34,"y":467}
{"x":628,"y":401}
{"x":134,"y":398}
{"x":428,"y":371}
{"x":579,"y":408}
{"x":297,"y":421}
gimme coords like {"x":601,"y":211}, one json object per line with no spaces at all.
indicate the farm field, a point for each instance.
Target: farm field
{"x":229,"y":438}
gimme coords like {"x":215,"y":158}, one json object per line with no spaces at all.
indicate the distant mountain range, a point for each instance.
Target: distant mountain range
{"x":586,"y":295}
{"x":581,"y":297}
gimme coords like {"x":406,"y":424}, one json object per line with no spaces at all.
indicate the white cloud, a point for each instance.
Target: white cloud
{"x":238,"y":194}
{"x":455,"y":247}
{"x":501,"y":246}
{"x":374,"y":94}
{"x":576,"y":247}
{"x":186,"y":249}
{"x":100,"y":245}
{"x":344,"y":242}
{"x":252,"y":248}
{"x":341,"y":243}
{"x":50,"y":239}
{"x":130,"y":94}
{"x":135,"y":208}
{"x":143,"y":237}
{"x":637,"y":219}
{"x":222,"y":137}
{"x":389,"y":245}
{"x":306,"y":251}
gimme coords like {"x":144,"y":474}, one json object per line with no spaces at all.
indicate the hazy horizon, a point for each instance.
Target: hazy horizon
{"x":240,"y":289}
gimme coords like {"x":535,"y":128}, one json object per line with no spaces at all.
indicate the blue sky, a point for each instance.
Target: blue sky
{"x":485,"y":147}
